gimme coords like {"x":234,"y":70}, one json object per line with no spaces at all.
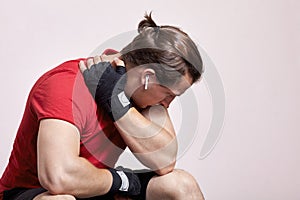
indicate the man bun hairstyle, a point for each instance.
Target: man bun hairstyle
{"x":168,"y":50}
{"x":147,"y":22}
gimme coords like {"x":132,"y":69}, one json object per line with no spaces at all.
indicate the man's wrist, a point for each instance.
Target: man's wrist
{"x":124,"y":182}
{"x":120,"y":104}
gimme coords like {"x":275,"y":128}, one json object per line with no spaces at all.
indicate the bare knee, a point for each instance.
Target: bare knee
{"x":178,"y":184}
{"x":48,"y":196}
{"x":186,"y":185}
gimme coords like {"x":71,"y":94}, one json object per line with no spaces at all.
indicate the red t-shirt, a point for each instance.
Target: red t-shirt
{"x":61,"y":94}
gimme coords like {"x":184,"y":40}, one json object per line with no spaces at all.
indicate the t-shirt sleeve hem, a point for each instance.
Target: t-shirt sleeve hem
{"x":62,"y":119}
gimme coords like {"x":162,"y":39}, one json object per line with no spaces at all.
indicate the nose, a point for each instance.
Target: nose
{"x":167,"y":101}
{"x":165,"y":104}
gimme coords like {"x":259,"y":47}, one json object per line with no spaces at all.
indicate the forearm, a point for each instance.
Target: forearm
{"x":78,"y":178}
{"x":154,"y":145}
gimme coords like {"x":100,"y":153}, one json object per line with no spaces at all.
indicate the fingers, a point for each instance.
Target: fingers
{"x":118,"y":62}
{"x":103,"y":58}
{"x":90,"y":62}
{"x":82,"y":66}
{"x":97,"y":59}
{"x":120,"y":66}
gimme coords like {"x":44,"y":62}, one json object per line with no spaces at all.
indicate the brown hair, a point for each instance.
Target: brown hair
{"x":166,"y":49}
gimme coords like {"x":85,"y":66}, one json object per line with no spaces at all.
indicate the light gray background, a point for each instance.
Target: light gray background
{"x":254,"y":44}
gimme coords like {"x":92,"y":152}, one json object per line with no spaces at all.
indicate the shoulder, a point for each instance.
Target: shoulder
{"x":61,"y":93}
{"x":60,"y":79}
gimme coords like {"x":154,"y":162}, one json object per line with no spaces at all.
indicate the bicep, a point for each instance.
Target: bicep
{"x":58,"y":142}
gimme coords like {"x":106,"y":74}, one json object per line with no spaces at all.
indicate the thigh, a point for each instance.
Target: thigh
{"x":104,"y":197}
{"x":48,"y":196}
{"x":30,"y":194}
{"x":22,"y":193}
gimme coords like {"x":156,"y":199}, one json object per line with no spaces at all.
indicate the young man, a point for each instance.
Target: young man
{"x":66,"y":146}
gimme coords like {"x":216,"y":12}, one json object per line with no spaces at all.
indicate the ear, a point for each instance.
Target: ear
{"x":148,"y":72}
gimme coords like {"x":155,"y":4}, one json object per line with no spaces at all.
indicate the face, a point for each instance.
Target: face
{"x":158,"y":94}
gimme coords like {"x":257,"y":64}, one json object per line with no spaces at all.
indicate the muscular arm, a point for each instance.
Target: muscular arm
{"x":149,"y":134}
{"x":60,"y":169}
{"x":151,"y":137}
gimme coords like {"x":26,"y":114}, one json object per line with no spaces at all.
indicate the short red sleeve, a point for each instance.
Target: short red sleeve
{"x":62,"y":94}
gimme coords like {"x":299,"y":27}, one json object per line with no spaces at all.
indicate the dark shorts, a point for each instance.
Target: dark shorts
{"x":29,"y":194}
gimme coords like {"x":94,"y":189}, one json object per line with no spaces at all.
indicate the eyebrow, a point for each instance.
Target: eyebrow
{"x":172,"y":92}
{"x":177,"y":94}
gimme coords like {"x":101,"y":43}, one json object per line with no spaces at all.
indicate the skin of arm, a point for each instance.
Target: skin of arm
{"x":150,"y":135}
{"x":60,"y":169}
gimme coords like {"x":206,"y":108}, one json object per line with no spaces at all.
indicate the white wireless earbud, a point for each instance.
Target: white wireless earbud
{"x":146,"y":82}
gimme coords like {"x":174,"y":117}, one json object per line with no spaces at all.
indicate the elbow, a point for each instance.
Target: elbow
{"x":55,"y":183}
{"x":168,"y":161}
{"x":162,"y":163}
{"x":165,"y":170}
